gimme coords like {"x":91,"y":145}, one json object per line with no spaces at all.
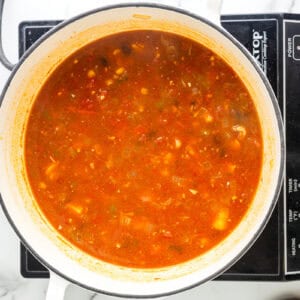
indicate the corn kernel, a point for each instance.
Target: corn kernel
{"x":116,"y":51}
{"x":220,"y":222}
{"x":109,"y":82}
{"x":91,"y":73}
{"x":177,"y":143}
{"x":208,"y":118}
{"x":120,"y":71}
{"x":193,"y":192}
{"x":144,"y":91}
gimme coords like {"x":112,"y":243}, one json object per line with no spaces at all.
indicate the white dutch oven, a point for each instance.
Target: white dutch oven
{"x":68,"y":263}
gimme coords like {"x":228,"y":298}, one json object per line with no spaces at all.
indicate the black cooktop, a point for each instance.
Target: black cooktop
{"x":274,"y":41}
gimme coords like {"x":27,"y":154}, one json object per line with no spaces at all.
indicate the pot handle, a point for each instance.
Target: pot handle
{"x":3,"y":59}
{"x":209,"y":9}
{"x":56,"y":288}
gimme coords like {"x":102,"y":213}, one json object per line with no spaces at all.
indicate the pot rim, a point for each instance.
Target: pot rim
{"x":271,"y":96}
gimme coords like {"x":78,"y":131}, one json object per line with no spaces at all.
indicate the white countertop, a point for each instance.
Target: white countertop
{"x":12,"y":284}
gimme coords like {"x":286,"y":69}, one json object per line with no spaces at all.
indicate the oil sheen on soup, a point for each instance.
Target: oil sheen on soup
{"x":144,"y":149}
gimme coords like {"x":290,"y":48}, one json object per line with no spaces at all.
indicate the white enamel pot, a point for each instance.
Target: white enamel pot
{"x":69,"y":264}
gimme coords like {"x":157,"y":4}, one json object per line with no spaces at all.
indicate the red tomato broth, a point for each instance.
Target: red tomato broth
{"x":144,"y":149}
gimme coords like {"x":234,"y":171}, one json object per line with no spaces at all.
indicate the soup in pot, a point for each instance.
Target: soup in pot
{"x":144,"y":149}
